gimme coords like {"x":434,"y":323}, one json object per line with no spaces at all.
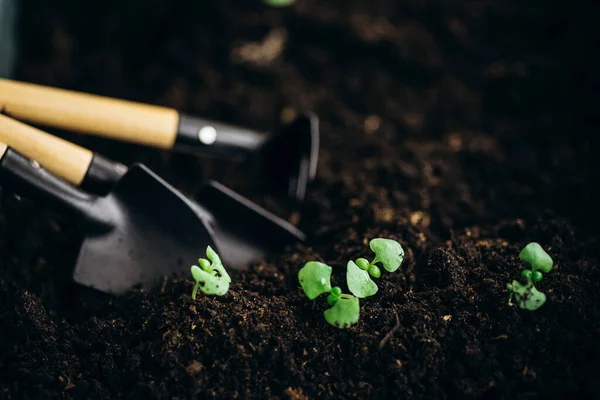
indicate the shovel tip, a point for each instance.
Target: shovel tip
{"x":291,"y":155}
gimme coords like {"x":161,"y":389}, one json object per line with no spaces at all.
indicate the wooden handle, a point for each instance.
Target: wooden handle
{"x":90,"y":114}
{"x":3,"y":148}
{"x":64,"y":159}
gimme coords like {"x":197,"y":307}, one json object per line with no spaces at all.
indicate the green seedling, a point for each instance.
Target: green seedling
{"x":526,"y":295}
{"x":358,"y":274}
{"x":315,"y":280}
{"x":279,"y":3}
{"x":211,"y":278}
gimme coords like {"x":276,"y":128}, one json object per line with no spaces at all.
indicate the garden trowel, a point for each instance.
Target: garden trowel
{"x":243,"y":231}
{"x":287,"y":156}
{"x":127,"y":241}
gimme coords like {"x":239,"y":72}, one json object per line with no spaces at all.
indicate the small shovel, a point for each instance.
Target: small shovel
{"x":243,"y":231}
{"x":128,"y":241}
{"x":288,"y":155}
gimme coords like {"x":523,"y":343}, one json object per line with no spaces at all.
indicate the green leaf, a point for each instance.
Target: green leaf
{"x":217,"y":265}
{"x":196,"y":272}
{"x":279,"y":3}
{"x":209,"y":283}
{"x":359,"y":281}
{"x":535,"y":255}
{"x":526,"y":296}
{"x":213,"y":279}
{"x":388,"y":252}
{"x":374,"y":271}
{"x":363,"y":264}
{"x":315,"y":279}
{"x":345,"y":312}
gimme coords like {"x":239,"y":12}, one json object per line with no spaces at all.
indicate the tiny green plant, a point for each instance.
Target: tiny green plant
{"x":388,"y":252}
{"x":315,"y":280}
{"x":279,"y":3}
{"x":210,"y":277}
{"x":526,"y":295}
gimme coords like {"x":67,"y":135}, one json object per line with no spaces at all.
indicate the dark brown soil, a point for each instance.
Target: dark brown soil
{"x":463,"y":130}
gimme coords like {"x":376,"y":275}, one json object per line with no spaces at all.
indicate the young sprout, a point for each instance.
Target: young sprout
{"x":315,"y":280}
{"x":211,"y":278}
{"x":279,"y":3}
{"x":358,"y":274}
{"x":526,"y":295}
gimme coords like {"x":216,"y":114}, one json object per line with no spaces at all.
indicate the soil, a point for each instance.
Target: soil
{"x":464,"y":130}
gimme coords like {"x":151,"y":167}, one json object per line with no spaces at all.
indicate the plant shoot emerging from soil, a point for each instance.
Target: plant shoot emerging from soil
{"x":388,"y":252}
{"x":211,"y":278}
{"x":279,"y":3}
{"x":315,"y":280}
{"x":526,"y":295}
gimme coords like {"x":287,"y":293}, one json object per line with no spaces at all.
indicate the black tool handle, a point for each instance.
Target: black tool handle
{"x":28,"y":179}
{"x":197,"y":135}
{"x":102,"y":174}
{"x":129,"y":121}
{"x":60,"y":157}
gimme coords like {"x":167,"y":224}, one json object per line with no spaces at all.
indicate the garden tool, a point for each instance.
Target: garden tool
{"x":128,"y":241}
{"x":287,"y":155}
{"x":243,"y":231}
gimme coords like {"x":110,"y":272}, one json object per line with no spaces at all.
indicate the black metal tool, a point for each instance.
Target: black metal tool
{"x":128,"y":240}
{"x":288,"y":155}
{"x":243,"y":231}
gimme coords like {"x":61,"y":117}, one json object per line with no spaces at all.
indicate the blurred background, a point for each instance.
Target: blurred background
{"x":378,"y":73}
{"x":8,"y":17}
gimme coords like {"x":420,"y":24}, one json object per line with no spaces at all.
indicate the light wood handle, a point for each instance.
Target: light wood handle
{"x":90,"y":114}
{"x":64,"y":159}
{"x":3,"y":148}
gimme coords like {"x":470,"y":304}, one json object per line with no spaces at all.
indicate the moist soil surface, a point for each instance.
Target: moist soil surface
{"x":463,"y":130}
